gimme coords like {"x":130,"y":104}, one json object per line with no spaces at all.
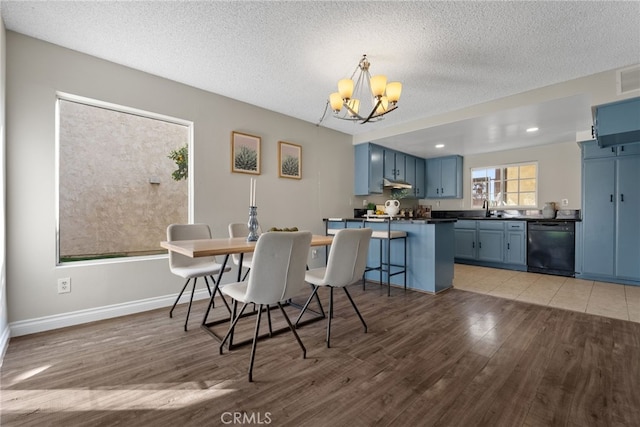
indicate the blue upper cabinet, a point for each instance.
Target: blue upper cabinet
{"x":420,"y":185}
{"x":415,"y":175}
{"x":395,"y":165}
{"x":373,"y":163}
{"x":618,"y":123}
{"x":368,"y":171}
{"x":444,"y":177}
{"x":591,"y":150}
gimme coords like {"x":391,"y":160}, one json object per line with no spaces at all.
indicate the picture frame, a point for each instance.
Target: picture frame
{"x":289,"y":160}
{"x":245,"y":153}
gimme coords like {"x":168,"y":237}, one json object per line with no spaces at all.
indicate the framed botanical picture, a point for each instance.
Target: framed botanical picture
{"x":245,"y":153}
{"x":289,"y":160}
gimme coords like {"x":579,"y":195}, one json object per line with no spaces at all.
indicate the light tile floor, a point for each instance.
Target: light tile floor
{"x":604,"y":299}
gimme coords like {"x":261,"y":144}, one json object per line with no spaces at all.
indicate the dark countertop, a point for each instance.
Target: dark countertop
{"x":528,"y":219}
{"x":479,"y":215}
{"x":398,"y":221}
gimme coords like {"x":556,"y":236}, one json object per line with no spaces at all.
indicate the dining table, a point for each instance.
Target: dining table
{"x":226,"y":247}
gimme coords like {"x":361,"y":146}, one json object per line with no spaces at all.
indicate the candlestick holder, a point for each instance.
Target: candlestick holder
{"x":253,"y":224}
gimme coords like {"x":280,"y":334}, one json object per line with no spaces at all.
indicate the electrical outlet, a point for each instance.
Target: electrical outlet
{"x":565,"y":202}
{"x":64,"y":285}
{"x":314,"y":253}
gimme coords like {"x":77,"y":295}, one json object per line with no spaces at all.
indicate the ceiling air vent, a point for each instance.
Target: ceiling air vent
{"x":628,"y":80}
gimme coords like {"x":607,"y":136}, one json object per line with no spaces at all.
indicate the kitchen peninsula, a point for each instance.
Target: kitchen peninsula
{"x":430,"y":250}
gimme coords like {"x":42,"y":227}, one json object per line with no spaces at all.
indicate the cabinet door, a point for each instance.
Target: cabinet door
{"x":598,"y":218}
{"x":434,"y":174}
{"x":376,"y":164}
{"x":400,"y":171}
{"x":465,"y":240}
{"x":419,"y":187}
{"x":628,"y":149}
{"x":361,"y":171}
{"x":628,"y":218}
{"x":591,"y":150}
{"x":516,"y":248}
{"x":449,"y":178}
{"x":490,"y":245}
{"x":368,"y":165}
{"x":410,"y":173}
{"x":389,"y":164}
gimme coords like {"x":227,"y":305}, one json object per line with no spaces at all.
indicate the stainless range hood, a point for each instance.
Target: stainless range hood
{"x":388,"y":183}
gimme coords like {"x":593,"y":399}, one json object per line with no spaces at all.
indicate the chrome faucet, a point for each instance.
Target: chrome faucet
{"x":485,"y":206}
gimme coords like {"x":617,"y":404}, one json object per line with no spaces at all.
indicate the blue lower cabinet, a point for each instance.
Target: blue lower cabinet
{"x":465,"y":241}
{"x":491,"y":243}
{"x":516,"y":252}
{"x":516,"y":241}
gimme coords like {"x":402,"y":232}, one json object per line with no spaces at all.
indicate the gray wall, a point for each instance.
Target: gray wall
{"x":36,"y":70}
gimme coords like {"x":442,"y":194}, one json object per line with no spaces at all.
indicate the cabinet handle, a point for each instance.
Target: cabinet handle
{"x":508,"y":246}
{"x":473,"y":245}
{"x":622,"y":197}
{"x":442,"y":190}
{"x":622,"y":148}
{"x":613,"y":149}
{"x":479,"y":245}
{"x":437,"y":191}
{"x":611,"y":198}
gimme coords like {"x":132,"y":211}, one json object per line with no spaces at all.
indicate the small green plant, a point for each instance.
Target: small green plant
{"x":397,"y":194}
{"x":246,"y":159}
{"x":290,"y":166}
{"x":181,"y":157}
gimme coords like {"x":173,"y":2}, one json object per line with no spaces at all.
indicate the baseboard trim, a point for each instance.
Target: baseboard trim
{"x":48,"y":323}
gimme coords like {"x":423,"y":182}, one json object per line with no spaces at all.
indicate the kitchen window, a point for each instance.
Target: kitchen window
{"x":510,"y":186}
{"x":122,"y":178}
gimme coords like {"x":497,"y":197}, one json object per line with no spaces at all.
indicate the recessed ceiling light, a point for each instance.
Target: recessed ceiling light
{"x":439,"y":145}
{"x":532,"y":130}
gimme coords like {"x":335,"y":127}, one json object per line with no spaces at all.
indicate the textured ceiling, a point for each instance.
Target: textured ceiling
{"x":288,"y":56}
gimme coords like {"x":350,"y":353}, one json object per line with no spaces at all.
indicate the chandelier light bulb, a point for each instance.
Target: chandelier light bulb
{"x":378,"y":84}
{"x":345,"y":88}
{"x":336,"y":102}
{"x":394,"y":89}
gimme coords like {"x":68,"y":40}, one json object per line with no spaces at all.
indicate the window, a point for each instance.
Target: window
{"x":509,"y":186}
{"x":122,"y":179}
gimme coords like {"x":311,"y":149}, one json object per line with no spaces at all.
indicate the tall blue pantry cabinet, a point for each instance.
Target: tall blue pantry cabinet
{"x":611,"y":212}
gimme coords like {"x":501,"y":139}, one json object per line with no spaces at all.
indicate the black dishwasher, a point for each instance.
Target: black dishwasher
{"x":551,"y":247}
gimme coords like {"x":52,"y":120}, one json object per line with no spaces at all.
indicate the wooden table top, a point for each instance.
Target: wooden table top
{"x":236,"y":245}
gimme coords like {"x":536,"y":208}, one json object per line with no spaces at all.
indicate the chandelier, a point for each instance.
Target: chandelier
{"x":366,"y":100}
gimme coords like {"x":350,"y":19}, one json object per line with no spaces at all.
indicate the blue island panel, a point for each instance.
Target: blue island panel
{"x":430,"y":253}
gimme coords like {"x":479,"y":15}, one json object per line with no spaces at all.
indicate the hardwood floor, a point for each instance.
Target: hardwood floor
{"x":455,"y":359}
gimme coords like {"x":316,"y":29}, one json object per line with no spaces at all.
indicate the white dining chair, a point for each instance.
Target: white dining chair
{"x":193,"y":268}
{"x":346,"y":265}
{"x":276,"y":275}
{"x":241,"y":260}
